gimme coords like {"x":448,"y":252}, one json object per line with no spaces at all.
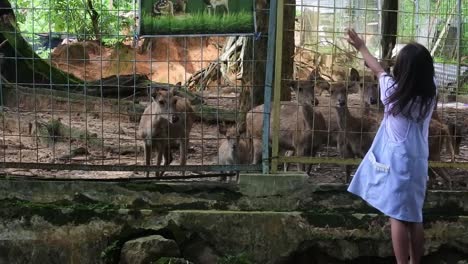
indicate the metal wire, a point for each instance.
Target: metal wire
{"x":107,"y":129}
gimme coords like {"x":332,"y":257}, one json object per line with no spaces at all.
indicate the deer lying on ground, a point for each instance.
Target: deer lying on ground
{"x":212,"y":4}
{"x":237,"y":148}
{"x":153,"y":127}
{"x":302,"y":129}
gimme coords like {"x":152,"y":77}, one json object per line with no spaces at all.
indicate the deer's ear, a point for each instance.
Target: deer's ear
{"x":354,"y":75}
{"x":242,"y":128}
{"x":222,"y":128}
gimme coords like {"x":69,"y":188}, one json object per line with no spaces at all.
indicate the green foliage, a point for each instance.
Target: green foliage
{"x":71,"y":16}
{"x":197,"y":23}
{"x":237,"y":259}
{"x":433,"y":14}
{"x":406,"y":27}
{"x":42,"y":52}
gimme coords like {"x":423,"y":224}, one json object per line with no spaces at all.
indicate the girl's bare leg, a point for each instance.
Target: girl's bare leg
{"x":400,"y":240}
{"x":417,"y":242}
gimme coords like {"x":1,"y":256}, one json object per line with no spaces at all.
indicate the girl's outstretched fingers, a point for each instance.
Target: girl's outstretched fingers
{"x":354,"y":39}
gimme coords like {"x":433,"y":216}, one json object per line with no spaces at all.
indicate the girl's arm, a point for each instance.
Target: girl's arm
{"x":359,"y":44}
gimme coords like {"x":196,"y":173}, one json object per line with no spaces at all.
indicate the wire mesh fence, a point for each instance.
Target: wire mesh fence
{"x":338,"y":137}
{"x":82,"y":92}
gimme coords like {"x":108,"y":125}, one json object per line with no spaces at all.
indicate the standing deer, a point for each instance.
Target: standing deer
{"x":153,"y":127}
{"x":355,"y":135}
{"x":212,"y":4}
{"x":179,"y":131}
{"x":302,"y":129}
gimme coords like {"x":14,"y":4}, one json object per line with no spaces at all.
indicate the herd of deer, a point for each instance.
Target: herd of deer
{"x":306,"y":126}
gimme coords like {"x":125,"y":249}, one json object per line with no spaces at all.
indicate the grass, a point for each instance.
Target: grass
{"x":198,"y":23}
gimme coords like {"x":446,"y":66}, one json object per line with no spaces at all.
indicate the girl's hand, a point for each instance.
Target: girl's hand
{"x":355,"y":40}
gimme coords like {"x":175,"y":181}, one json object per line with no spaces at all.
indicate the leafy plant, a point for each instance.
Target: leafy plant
{"x":85,"y":19}
{"x":237,"y":259}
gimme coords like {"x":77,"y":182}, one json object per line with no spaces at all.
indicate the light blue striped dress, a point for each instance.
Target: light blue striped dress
{"x":393,"y":175}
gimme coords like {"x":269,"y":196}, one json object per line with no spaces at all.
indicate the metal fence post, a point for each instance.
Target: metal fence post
{"x":270,"y":68}
{"x":277,"y":86}
{"x":459,"y":44}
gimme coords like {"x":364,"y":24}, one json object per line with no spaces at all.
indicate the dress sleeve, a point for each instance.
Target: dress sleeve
{"x":386,"y":84}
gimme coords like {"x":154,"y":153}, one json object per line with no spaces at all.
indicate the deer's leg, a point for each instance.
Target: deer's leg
{"x":148,"y":151}
{"x":159,"y":159}
{"x":257,"y":153}
{"x":183,"y":153}
{"x":348,"y":153}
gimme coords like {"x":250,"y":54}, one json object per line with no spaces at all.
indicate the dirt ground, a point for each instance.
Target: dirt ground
{"x":118,"y":143}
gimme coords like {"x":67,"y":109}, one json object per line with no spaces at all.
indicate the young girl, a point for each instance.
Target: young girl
{"x":393,"y":175}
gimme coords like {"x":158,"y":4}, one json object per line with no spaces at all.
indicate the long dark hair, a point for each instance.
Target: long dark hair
{"x":414,"y":82}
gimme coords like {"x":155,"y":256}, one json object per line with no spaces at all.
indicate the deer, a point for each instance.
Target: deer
{"x":163,"y":8}
{"x":327,"y":110}
{"x":179,"y":131}
{"x":355,"y":136}
{"x":212,"y":4}
{"x":153,"y":128}
{"x":302,"y":129}
{"x":236,"y":148}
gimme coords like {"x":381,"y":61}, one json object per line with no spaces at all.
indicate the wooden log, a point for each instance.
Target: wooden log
{"x":41,"y":99}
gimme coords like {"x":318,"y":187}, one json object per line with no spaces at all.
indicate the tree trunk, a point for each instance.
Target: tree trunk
{"x":94,"y":20}
{"x":21,"y":64}
{"x":287,"y":70}
{"x":253,"y":79}
{"x":389,"y":27}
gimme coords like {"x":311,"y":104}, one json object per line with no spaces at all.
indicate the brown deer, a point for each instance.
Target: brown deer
{"x":302,"y":129}
{"x":355,"y":134}
{"x":236,"y":148}
{"x":153,"y":127}
{"x":179,"y":132}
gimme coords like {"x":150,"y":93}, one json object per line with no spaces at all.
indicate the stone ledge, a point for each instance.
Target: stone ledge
{"x":254,"y":193}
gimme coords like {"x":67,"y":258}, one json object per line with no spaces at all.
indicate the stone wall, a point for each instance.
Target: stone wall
{"x":264,"y":219}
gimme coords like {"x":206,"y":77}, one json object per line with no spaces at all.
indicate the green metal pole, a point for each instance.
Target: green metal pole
{"x":277,"y":85}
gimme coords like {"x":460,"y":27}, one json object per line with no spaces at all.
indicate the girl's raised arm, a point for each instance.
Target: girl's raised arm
{"x":359,"y":44}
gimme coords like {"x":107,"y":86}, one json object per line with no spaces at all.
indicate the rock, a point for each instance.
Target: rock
{"x":148,"y":249}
